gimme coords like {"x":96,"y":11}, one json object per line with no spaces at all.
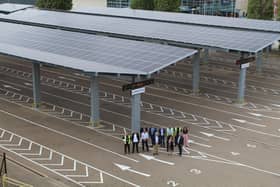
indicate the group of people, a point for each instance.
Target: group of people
{"x":159,"y":137}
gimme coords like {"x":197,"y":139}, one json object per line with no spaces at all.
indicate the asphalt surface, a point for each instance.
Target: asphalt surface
{"x":232,"y":145}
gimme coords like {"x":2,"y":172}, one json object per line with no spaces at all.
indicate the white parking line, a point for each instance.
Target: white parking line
{"x":58,"y":171}
{"x":69,"y":136}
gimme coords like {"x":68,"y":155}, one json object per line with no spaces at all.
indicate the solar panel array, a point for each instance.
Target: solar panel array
{"x":9,"y":7}
{"x":232,"y":39}
{"x":87,"y":52}
{"x":242,"y":23}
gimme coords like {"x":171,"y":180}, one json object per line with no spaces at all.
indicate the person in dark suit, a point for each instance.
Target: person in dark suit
{"x":180,"y":143}
{"x":135,"y":141}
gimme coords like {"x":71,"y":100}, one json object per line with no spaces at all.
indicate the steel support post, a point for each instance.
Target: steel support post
{"x":206,"y":56}
{"x":241,"y":84}
{"x":196,"y":73}
{"x":259,"y":61}
{"x":135,"y":111}
{"x":94,"y":105}
{"x":36,"y":84}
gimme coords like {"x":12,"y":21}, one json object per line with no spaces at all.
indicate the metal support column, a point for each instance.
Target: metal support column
{"x":36,"y":84}
{"x":135,"y":111}
{"x":259,"y":61}
{"x":241,"y":84}
{"x":205,"y":56}
{"x":196,"y":73}
{"x":95,"y":106}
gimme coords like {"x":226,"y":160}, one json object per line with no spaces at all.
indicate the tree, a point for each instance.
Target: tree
{"x":167,"y":5}
{"x":260,"y":9}
{"x":55,"y":4}
{"x":142,"y":4}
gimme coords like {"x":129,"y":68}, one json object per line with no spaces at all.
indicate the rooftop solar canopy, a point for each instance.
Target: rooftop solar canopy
{"x":87,"y":52}
{"x":7,"y":8}
{"x":241,"y":23}
{"x":187,"y":35}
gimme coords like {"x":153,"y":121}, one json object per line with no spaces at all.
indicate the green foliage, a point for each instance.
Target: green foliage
{"x":167,"y":5}
{"x":260,"y":9}
{"x":142,"y":4}
{"x":55,"y":4}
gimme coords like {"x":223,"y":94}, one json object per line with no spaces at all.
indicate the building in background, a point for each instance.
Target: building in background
{"x":209,"y":7}
{"x":241,"y":7}
{"x":29,"y":2}
{"x":77,"y":4}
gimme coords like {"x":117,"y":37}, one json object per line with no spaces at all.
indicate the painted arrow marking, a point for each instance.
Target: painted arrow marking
{"x":61,"y":77}
{"x":148,"y":157}
{"x":200,"y":144}
{"x":172,"y":183}
{"x":261,"y":115}
{"x":235,"y":153}
{"x":252,"y":146}
{"x":27,"y":84}
{"x":11,"y":87}
{"x":247,"y":122}
{"x":195,"y":171}
{"x":127,"y":168}
{"x":212,"y":135}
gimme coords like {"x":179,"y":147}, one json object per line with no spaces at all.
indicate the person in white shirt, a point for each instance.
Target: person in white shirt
{"x":156,"y":144}
{"x":144,"y":139}
{"x":135,"y":141}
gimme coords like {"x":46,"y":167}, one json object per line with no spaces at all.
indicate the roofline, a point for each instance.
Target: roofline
{"x":122,"y":36}
{"x":164,"y":21}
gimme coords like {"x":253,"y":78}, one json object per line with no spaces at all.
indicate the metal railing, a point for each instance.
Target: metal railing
{"x":7,"y":181}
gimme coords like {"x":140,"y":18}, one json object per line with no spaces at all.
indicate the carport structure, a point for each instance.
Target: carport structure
{"x":197,"y":36}
{"x":92,"y":54}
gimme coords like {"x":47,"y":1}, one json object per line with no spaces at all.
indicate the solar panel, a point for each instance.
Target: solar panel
{"x":87,"y":52}
{"x":7,"y":8}
{"x":198,"y":36}
{"x":241,"y":23}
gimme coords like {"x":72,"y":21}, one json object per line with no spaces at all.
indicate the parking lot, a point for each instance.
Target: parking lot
{"x":231,"y":144}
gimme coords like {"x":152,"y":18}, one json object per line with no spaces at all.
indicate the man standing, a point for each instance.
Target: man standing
{"x":144,"y":139}
{"x":180,"y":143}
{"x":162,"y":137}
{"x":135,"y":141}
{"x":156,"y":143}
{"x":127,"y":141}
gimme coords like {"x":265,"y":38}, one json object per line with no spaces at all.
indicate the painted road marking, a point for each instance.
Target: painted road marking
{"x":200,"y":144}
{"x":212,"y":135}
{"x":27,"y":84}
{"x":69,"y":136}
{"x":11,"y":87}
{"x":276,"y":105}
{"x":128,"y":168}
{"x":261,"y":115}
{"x":247,"y":122}
{"x":251,"y":146}
{"x":64,"y":78}
{"x":148,"y":157}
{"x":206,"y":123}
{"x":195,"y":171}
{"x":172,"y":183}
{"x":29,"y":153}
{"x":235,"y":153}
